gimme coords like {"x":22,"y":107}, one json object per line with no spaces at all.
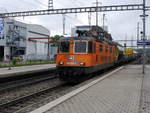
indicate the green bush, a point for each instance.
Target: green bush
{"x":14,"y":62}
{"x":30,"y":63}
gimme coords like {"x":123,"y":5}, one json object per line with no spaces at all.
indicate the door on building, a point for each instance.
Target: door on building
{"x":1,"y":53}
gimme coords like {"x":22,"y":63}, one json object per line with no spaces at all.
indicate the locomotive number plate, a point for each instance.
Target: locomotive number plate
{"x":71,"y":63}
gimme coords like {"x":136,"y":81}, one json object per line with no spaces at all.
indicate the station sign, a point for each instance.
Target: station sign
{"x":143,"y":43}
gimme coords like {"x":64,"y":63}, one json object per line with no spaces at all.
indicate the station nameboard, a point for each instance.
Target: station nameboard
{"x":140,"y":43}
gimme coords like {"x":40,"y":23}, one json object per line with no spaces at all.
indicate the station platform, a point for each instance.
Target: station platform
{"x":125,"y":90}
{"x":16,"y":71}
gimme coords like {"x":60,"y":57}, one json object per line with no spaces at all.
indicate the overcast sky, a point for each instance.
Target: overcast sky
{"x":120,"y":24}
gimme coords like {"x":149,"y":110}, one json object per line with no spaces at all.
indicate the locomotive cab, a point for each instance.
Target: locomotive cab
{"x":75,"y":58}
{"x":76,"y":53}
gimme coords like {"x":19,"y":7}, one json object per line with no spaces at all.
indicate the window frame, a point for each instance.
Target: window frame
{"x":101,"y":48}
{"x":92,"y":49}
{"x":106,"y":48}
{"x":59,"y":48}
{"x":80,"y":41}
{"x":111,"y":50}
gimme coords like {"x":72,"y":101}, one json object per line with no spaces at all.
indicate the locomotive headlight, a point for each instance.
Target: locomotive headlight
{"x":71,"y":58}
{"x":61,"y":63}
{"x":82,"y":64}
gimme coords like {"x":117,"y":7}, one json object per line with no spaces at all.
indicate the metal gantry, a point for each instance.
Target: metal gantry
{"x":50,"y":11}
{"x":129,"y":7}
{"x":50,"y":4}
{"x":147,"y":8}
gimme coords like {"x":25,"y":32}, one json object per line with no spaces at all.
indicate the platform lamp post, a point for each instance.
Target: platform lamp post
{"x":48,"y":49}
{"x":48,"y":52}
{"x":9,"y":57}
{"x":125,"y":46}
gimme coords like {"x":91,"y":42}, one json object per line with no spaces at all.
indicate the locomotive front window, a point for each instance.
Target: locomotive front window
{"x":80,"y":47}
{"x":64,"y":47}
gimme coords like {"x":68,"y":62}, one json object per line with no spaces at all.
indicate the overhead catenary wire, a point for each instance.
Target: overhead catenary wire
{"x":79,"y":2}
{"x":41,"y":3}
{"x":62,"y":3}
{"x":33,"y":3}
{"x":73,"y":18}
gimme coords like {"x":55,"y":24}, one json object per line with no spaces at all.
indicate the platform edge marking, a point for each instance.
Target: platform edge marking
{"x":73,"y":93}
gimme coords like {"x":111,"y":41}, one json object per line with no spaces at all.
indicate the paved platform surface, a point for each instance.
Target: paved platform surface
{"x":124,"y":91}
{"x":4,"y":72}
{"x":145,"y":96}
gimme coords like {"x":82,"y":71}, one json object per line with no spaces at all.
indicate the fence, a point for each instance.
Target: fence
{"x":35,"y":57}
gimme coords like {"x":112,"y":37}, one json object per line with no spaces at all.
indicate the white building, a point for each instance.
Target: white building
{"x":27,"y":40}
{"x":37,"y":44}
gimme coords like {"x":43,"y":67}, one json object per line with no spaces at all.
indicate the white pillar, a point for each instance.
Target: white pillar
{"x":6,"y":52}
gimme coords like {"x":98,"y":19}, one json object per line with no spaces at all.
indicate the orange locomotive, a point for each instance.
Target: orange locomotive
{"x":84,"y":54}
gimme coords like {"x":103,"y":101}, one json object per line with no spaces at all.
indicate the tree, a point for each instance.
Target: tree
{"x":55,"y":39}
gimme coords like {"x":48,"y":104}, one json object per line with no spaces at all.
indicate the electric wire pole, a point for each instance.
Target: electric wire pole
{"x":50,"y":4}
{"x":97,"y":3}
{"x":125,"y":42}
{"x":48,"y":47}
{"x":132,"y":42}
{"x":138,"y":29}
{"x":89,"y":18}
{"x":96,"y":13}
{"x":143,"y":36}
{"x":144,"y":33}
{"x":104,"y":21}
{"x":64,"y":23}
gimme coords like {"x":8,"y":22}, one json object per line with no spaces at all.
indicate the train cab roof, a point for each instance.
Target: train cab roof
{"x":89,"y":39}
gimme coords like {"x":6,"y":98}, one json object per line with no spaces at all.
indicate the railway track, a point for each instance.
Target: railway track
{"x":31,"y":101}
{"x":6,"y":107}
{"x":24,"y":82}
{"x":18,"y":87}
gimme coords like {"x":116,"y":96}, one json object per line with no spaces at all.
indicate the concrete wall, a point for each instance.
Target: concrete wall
{"x":31,"y":48}
{"x":6,"y":52}
{"x":53,"y":52}
{"x":37,"y":49}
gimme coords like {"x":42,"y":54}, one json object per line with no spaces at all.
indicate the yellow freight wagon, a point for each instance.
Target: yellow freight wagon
{"x":129,"y":52}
